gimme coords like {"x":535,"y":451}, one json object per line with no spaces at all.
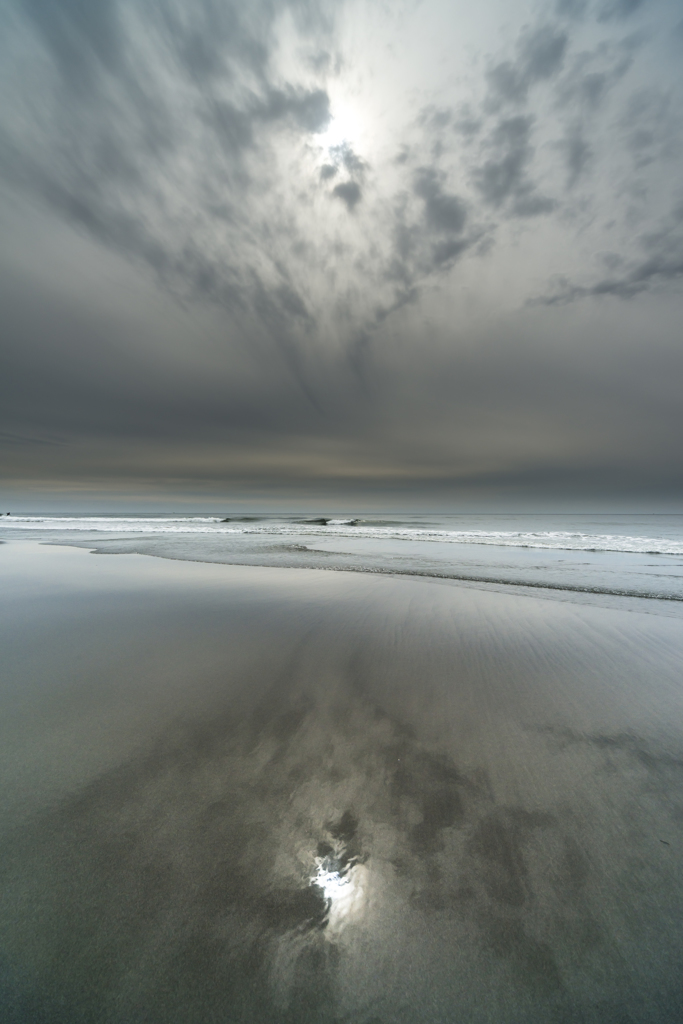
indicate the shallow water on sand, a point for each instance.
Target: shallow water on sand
{"x":252,"y":794}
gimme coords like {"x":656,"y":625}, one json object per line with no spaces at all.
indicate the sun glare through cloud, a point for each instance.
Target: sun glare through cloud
{"x":345,"y":127}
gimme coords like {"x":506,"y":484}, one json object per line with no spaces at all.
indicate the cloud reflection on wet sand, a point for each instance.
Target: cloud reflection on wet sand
{"x":318,"y":856}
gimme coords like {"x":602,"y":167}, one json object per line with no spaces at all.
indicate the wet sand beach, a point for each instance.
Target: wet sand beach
{"x":238,"y":793}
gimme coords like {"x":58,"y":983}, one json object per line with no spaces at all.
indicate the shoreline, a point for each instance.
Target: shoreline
{"x":620,"y":556}
{"x":624,"y":599}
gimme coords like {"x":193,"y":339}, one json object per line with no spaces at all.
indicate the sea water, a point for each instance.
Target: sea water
{"x":618,"y":554}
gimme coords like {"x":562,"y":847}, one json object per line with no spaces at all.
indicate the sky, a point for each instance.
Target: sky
{"x":352,"y":253}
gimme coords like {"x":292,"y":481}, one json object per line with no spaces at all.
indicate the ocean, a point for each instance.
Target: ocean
{"x":605,"y":554}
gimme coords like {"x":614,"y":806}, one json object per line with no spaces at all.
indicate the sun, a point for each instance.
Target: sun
{"x":345,"y":126}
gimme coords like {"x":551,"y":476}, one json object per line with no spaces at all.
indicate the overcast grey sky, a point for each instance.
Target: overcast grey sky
{"x":283,"y":253}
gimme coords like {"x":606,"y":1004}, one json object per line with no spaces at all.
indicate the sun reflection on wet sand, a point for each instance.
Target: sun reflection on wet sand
{"x":332,"y":883}
{"x":346,"y":820}
{"x":344,"y":884}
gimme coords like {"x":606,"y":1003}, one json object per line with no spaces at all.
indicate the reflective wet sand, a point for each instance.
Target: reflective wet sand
{"x":247,"y":794}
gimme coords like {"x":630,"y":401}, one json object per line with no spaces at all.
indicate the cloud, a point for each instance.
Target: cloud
{"x":649,"y":126}
{"x":84,"y":38}
{"x":570,"y":8}
{"x":590,"y":75}
{"x":192,"y":139}
{"x":344,"y":156}
{"x":613,"y":9}
{"x":180,"y":136}
{"x":443,"y":212}
{"x":503,"y":176}
{"x":182,"y":139}
{"x":539,"y":57}
{"x":349,"y":192}
{"x":309,"y":109}
{"x":660,"y":262}
{"x":577,"y":153}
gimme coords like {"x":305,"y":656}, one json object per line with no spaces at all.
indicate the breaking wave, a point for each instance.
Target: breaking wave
{"x":378,"y":530}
